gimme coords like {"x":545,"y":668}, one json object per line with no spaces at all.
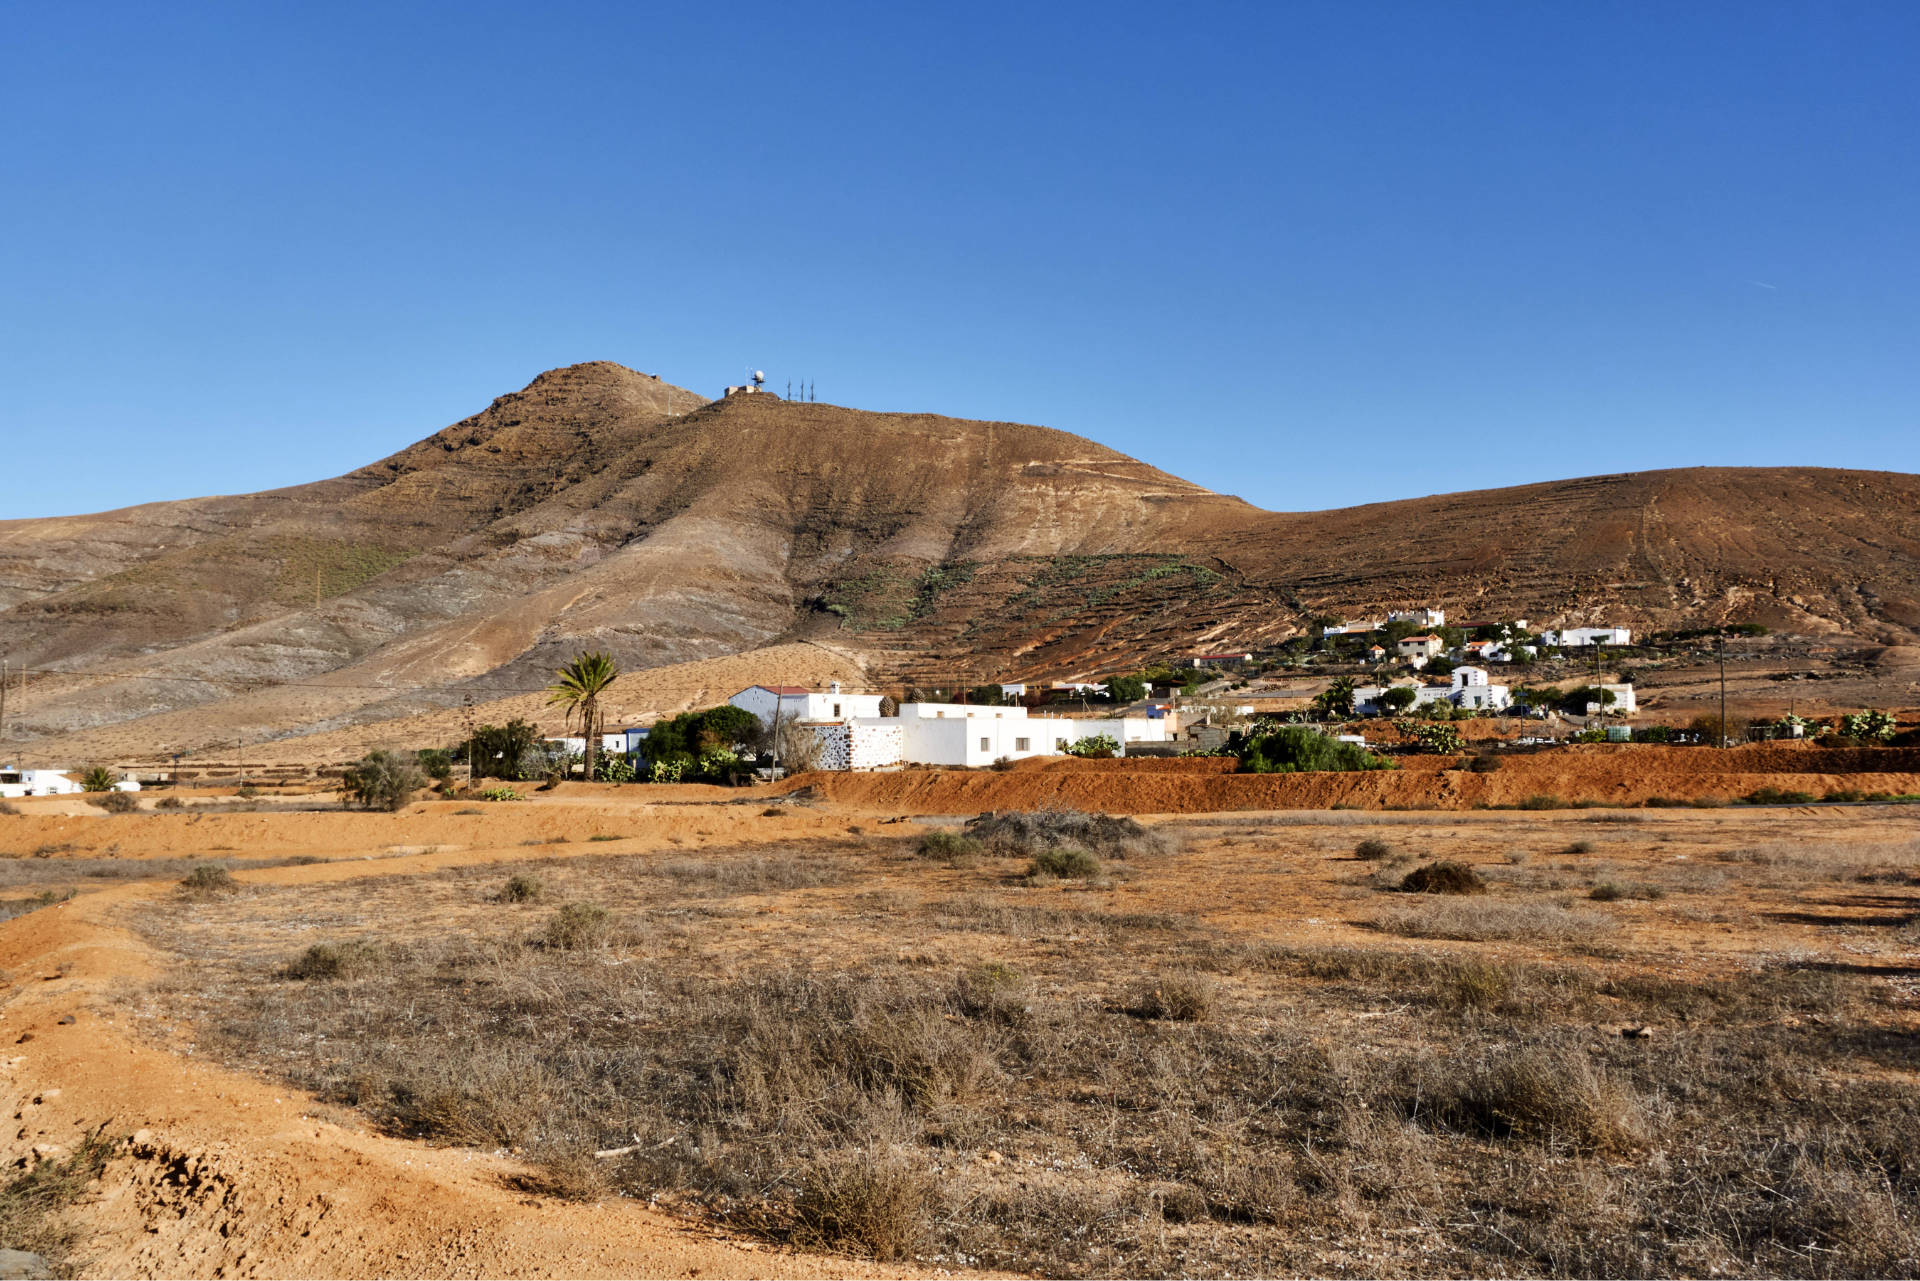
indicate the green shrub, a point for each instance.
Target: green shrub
{"x":1064,"y":863}
{"x":948,"y":845}
{"x":435,"y":764}
{"x":381,"y":781}
{"x":1289,"y":749}
{"x":498,"y":794}
{"x":1096,"y":745}
{"x":1777,"y":796}
{"x":98,"y":779}
{"x":1435,"y":739}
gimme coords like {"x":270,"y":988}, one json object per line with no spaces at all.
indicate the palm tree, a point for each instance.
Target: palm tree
{"x":580,"y":685}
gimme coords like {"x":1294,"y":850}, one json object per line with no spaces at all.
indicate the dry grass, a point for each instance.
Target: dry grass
{"x":35,"y":1203}
{"x":984,"y":1073}
{"x":1483,"y":920}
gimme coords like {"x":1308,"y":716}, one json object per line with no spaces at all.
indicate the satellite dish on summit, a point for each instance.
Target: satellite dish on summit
{"x":759,"y":376}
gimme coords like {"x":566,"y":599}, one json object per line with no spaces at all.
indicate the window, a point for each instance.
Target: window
{"x":940,"y":716}
{"x":986,"y":745}
{"x":1023,"y":745}
{"x":836,"y":711}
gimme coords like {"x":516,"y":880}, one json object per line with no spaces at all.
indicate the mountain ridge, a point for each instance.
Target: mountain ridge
{"x":602,"y":506}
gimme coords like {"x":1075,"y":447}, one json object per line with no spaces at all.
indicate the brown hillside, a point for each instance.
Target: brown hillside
{"x":602,"y":506}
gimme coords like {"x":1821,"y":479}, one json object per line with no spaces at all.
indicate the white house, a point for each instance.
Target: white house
{"x":970,"y":734}
{"x":1219,"y":660}
{"x":1375,"y":654}
{"x":41,"y":782}
{"x":1349,"y":629}
{"x":1469,"y":688}
{"x":1420,"y":617}
{"x":798,"y":703}
{"x":1420,"y":647}
{"x":576,"y":744}
{"x":1077,"y":687}
{"x":1472,"y":689}
{"x":1016,"y":689}
{"x":1575,"y":637}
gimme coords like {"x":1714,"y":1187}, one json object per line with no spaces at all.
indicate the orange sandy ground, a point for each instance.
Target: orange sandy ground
{"x":232,"y":1176}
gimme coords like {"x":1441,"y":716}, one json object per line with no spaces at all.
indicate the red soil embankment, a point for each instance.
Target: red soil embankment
{"x":1606,"y":773}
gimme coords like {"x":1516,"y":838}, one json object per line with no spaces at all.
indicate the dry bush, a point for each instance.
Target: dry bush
{"x":1612,"y":891}
{"x":207,"y":880}
{"x":1028,"y":833}
{"x":521,"y":887}
{"x":1372,"y":849}
{"x":997,"y":992}
{"x":579,"y":927}
{"x":1443,"y":877}
{"x":1178,"y":997}
{"x":8,"y":807}
{"x":353,"y":959}
{"x":1486,"y":919}
{"x":1538,"y":1093}
{"x":863,"y":1204}
{"x":115,"y":802}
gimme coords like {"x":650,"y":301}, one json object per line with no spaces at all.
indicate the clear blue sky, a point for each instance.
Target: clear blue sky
{"x":1312,"y":254}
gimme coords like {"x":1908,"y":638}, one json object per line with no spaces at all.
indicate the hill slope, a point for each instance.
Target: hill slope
{"x":602,"y":506}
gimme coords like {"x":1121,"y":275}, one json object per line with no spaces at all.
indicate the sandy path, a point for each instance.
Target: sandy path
{"x":226,"y":1175}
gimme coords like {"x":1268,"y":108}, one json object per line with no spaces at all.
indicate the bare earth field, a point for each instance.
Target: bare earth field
{"x":803,"y":1039}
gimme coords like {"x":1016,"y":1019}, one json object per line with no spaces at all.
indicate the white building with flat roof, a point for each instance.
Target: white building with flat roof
{"x":1575,"y":637}
{"x":17,"y":782}
{"x":969,"y":734}
{"x":798,"y":703}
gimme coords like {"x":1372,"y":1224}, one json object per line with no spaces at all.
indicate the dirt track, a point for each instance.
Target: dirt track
{"x":228,"y":1176}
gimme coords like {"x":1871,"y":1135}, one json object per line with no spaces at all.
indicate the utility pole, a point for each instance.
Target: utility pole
{"x":778,"y":698}
{"x":466,"y":711}
{"x":1725,"y":738}
{"x":3,"y":699}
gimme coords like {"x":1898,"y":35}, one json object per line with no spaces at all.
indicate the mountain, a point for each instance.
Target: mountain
{"x":601,"y":506}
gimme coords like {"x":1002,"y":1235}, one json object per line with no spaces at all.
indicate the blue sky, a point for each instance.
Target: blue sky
{"x":1312,"y":254}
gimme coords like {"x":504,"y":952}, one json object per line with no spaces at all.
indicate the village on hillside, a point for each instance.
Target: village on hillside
{"x":1406,"y":682}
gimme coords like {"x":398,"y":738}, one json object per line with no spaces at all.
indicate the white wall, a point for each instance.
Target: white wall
{"x":827,"y":706}
{"x":37,"y":782}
